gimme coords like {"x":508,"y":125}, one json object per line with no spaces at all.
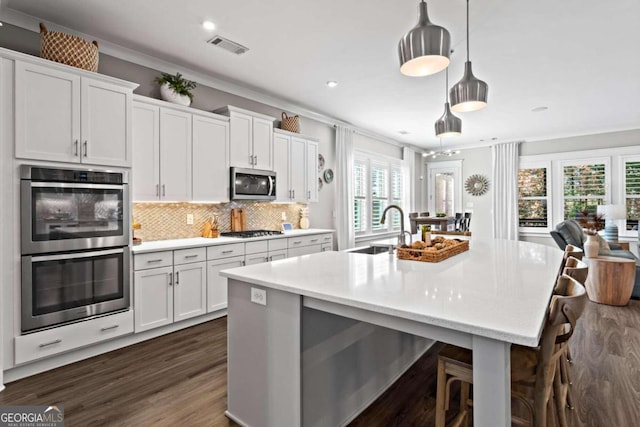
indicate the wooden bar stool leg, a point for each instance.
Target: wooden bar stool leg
{"x":464,"y":403}
{"x":440,"y":396}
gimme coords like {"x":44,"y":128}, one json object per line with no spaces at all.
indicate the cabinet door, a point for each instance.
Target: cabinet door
{"x":146,"y":152}
{"x":276,"y":255}
{"x":305,"y":250}
{"x":263,"y":143}
{"x":216,"y":284}
{"x":47,"y":114}
{"x":297,"y":169}
{"x":190,"y":290}
{"x":210,"y":160}
{"x":175,"y":155}
{"x":153,"y":293}
{"x":281,"y":163}
{"x":105,"y":123}
{"x":312,"y":171}
{"x":241,"y":140}
{"x":256,"y":258}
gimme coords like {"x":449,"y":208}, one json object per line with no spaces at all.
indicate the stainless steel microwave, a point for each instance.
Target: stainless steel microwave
{"x":253,"y":184}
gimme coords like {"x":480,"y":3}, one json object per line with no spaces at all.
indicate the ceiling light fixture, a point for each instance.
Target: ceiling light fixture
{"x":442,"y":152}
{"x":470,"y":93}
{"x":208,"y":25}
{"x":448,"y":125}
{"x":424,"y":49}
{"x":539,"y":109}
{"x":332,"y":83}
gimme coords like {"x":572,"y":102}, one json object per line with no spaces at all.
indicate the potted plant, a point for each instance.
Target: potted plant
{"x":176,"y":89}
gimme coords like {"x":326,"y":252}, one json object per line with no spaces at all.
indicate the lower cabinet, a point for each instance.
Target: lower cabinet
{"x":216,"y":284}
{"x":169,"y":294}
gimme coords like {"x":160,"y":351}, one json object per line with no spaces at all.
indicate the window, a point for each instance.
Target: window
{"x":376,"y":185}
{"x":533,"y":197}
{"x":632,"y":192}
{"x":584,"y":187}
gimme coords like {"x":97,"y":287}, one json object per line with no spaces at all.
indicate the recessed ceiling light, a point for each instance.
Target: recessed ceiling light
{"x":403,"y":132}
{"x":332,"y":83}
{"x":208,"y":25}
{"x":495,"y":138}
{"x":539,"y":109}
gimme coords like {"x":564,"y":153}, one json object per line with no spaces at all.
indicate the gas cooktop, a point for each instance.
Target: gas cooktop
{"x":251,"y":233}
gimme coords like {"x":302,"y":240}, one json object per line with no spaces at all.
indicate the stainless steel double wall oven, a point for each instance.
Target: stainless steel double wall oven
{"x":75,"y":244}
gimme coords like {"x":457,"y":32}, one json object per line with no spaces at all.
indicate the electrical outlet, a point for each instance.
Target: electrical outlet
{"x":259,"y":296}
{"x":189,"y":219}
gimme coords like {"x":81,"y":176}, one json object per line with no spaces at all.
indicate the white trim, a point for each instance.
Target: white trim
{"x":582,"y":154}
{"x":622,"y":194}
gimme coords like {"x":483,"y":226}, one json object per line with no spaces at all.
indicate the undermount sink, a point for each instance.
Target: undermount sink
{"x":371,"y":250}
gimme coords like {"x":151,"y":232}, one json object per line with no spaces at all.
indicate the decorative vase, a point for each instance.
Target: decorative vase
{"x":304,"y":223}
{"x":591,"y":246}
{"x":170,"y":95}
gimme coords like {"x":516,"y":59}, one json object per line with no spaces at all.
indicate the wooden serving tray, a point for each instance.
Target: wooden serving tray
{"x":427,"y":255}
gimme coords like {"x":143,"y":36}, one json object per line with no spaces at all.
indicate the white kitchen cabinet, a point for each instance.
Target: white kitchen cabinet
{"x":67,"y":116}
{"x":210,"y":165}
{"x":296,"y":163}
{"x":216,"y":284}
{"x":278,"y":255}
{"x":304,"y":250}
{"x":153,"y":293}
{"x":175,"y":155}
{"x":190,"y":290}
{"x":251,"y":138}
{"x":179,"y":155}
{"x":169,"y":286}
{"x":312,"y":171}
{"x":251,"y":259}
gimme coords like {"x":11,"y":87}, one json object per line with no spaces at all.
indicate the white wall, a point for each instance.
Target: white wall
{"x":372,"y":145}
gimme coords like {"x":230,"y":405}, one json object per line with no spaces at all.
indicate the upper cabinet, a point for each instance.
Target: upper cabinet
{"x":251,"y":136}
{"x":71,"y":116}
{"x":179,"y":154}
{"x":296,"y":164}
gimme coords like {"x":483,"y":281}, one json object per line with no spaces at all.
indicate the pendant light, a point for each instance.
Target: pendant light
{"x":448,"y":124}
{"x":470,"y":93}
{"x":424,"y":50}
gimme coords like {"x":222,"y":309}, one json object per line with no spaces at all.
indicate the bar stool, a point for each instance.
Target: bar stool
{"x":533,"y":370}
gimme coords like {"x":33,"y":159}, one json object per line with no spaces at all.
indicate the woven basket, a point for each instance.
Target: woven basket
{"x":425,"y":255}
{"x":290,"y":123}
{"x":68,"y":49}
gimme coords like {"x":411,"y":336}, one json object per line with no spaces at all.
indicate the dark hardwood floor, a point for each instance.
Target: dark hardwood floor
{"x":180,"y":379}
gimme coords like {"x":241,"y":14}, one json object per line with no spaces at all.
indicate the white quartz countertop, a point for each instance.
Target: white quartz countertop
{"x":499,"y":289}
{"x":165,"y":245}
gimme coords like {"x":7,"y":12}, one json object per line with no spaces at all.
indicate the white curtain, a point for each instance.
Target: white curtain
{"x":408,"y":177}
{"x":505,"y":190}
{"x":344,"y":188}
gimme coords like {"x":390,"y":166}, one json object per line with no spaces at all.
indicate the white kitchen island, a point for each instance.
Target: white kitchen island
{"x":287,"y":358}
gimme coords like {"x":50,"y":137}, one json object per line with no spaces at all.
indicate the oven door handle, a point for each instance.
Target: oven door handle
{"x":87,"y":254}
{"x":271,"y":192}
{"x":40,"y":184}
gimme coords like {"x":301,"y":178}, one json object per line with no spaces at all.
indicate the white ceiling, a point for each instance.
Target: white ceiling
{"x":579,"y":58}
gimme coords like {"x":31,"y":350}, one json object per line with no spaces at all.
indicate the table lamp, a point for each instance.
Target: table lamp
{"x":611,"y":214}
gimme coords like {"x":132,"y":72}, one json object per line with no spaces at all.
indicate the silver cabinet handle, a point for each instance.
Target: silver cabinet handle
{"x":297,"y":242}
{"x":255,"y":160}
{"x":250,"y":159}
{"x":271,"y":258}
{"x":294,"y":193}
{"x":170,"y":279}
{"x":266,"y":259}
{"x":314,"y":240}
{"x":85,"y":148}
{"x":178,"y":278}
{"x":76,"y":148}
{"x":151,"y":261}
{"x":191,"y":256}
{"x":157,"y":190}
{"x":244,"y":262}
{"x":108,"y":328}
{"x":164,"y":193}
{"x":47,"y":344}
{"x":309,"y":196}
{"x":227,"y":252}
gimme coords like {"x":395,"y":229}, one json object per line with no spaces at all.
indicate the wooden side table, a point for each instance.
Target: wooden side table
{"x":610,"y":279}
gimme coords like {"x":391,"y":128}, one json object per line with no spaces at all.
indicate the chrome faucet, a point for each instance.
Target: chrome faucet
{"x":401,"y":240}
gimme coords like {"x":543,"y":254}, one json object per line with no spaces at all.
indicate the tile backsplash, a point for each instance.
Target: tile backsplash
{"x":162,"y":221}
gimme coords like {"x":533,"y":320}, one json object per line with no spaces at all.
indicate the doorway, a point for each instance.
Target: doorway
{"x":444,"y":189}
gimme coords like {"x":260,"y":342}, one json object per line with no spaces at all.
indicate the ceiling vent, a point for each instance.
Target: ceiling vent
{"x":228,"y":45}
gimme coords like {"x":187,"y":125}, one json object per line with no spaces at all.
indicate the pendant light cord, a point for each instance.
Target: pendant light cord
{"x":446,"y":84}
{"x":467,"y":30}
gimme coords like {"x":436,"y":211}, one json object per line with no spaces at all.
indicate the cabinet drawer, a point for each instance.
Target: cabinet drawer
{"x":327,"y":247}
{"x":64,"y":338}
{"x":153,"y":260}
{"x":225,"y":251}
{"x":296,"y":242}
{"x":186,"y":256}
{"x":327,"y":238}
{"x":277,"y":244}
{"x":256,"y":247}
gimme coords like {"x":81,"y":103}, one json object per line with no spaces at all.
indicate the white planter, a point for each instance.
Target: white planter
{"x":169,"y":95}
